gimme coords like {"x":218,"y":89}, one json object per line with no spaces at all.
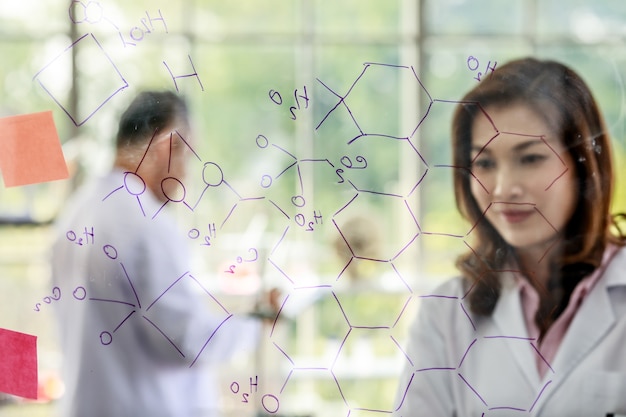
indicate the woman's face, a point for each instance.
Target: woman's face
{"x":524,"y":178}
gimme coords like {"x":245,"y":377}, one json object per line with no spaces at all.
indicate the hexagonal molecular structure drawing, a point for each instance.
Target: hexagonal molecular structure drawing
{"x":463,"y":365}
{"x":402,"y":218}
{"x":437,"y":204}
{"x":373,"y":103}
{"x":367,"y":355}
{"x":298,"y":393}
{"x":432,"y":136}
{"x":369,"y":305}
{"x":322,"y":303}
{"x":373,"y":163}
{"x":377,"y":140}
{"x":436,"y":254}
{"x":485,"y":382}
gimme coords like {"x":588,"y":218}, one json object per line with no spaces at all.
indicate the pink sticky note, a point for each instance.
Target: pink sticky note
{"x":30,"y":150}
{"x":18,"y":364}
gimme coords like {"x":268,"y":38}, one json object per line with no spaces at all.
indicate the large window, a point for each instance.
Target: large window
{"x":322,"y":142}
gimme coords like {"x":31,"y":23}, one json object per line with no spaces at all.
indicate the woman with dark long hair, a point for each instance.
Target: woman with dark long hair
{"x":536,"y":323}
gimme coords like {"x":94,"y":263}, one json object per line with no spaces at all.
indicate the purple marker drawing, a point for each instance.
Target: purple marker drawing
{"x":107,"y":72}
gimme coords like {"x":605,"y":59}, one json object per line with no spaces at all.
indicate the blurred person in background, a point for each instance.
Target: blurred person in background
{"x":139,"y":337}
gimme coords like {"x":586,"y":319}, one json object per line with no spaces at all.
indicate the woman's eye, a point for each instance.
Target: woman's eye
{"x":483,"y":164}
{"x":532,"y":159}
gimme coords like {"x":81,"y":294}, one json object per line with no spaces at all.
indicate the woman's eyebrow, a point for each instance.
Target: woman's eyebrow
{"x":517,"y":148}
{"x":527,"y":144}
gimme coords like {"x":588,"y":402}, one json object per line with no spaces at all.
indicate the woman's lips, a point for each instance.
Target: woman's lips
{"x":516,"y":216}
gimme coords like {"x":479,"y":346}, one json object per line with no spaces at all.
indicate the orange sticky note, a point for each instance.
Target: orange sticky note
{"x":18,"y":364}
{"x":30,"y":150}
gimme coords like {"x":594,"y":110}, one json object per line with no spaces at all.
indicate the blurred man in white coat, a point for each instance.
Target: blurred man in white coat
{"x":137,"y":328}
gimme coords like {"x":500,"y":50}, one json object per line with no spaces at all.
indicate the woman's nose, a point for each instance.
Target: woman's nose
{"x":507,"y":186}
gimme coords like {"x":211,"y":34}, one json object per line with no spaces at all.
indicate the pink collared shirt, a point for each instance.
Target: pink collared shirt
{"x":552,"y":339}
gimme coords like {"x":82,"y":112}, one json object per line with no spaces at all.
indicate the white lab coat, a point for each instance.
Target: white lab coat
{"x":468,"y":366}
{"x":142,"y":340}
